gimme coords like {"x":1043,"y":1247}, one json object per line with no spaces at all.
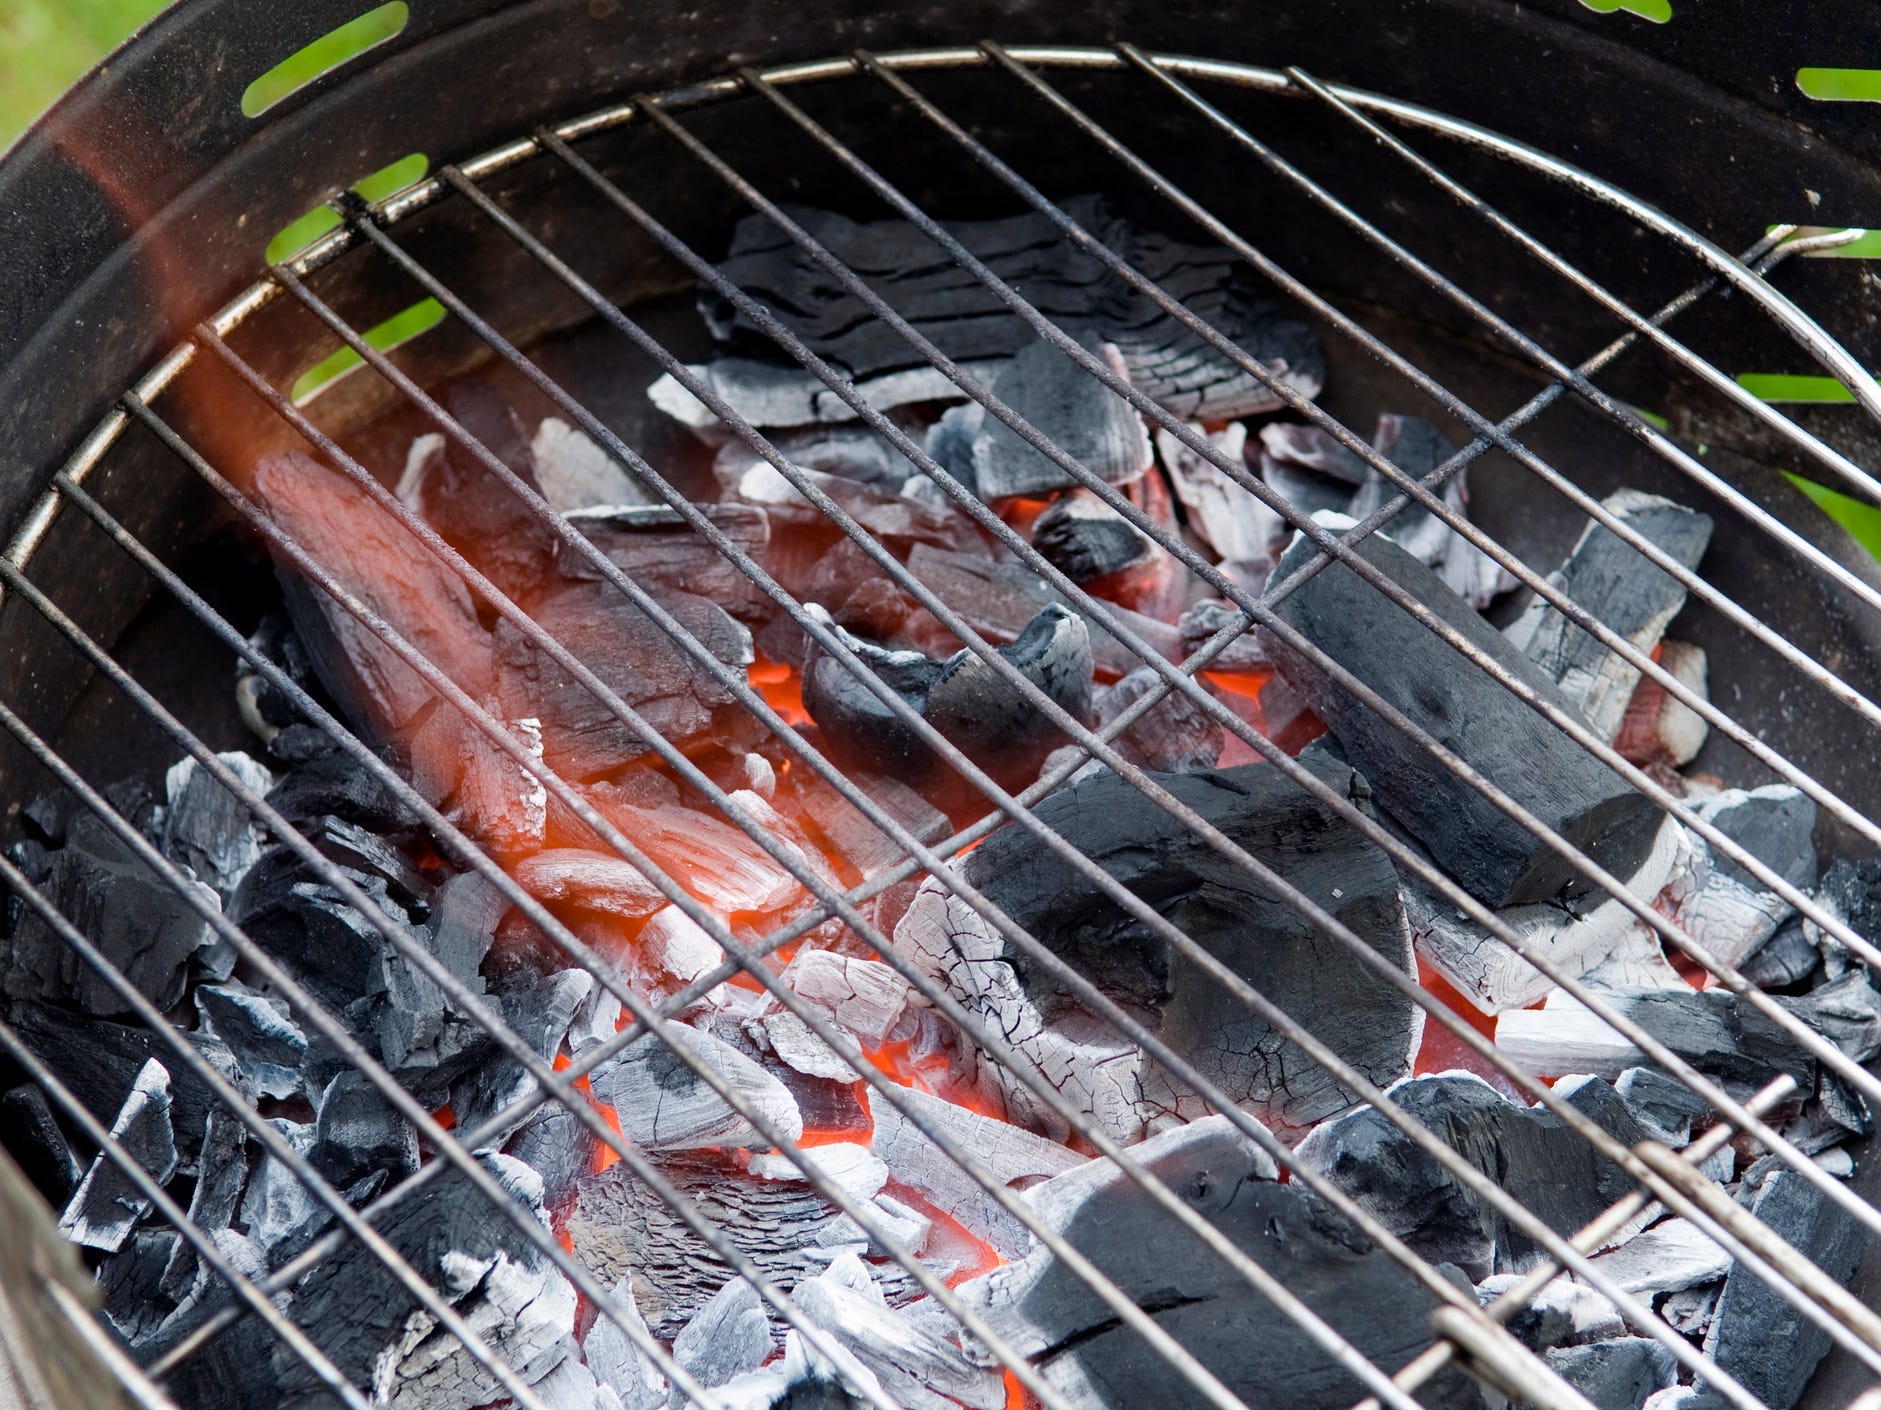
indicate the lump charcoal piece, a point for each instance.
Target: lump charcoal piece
{"x":582,"y":738}
{"x":324,"y":942}
{"x":968,"y":321}
{"x":206,"y":828}
{"x":848,"y":836}
{"x":1528,"y":1151}
{"x":355,"y":847}
{"x":268,"y":1044}
{"x":574,"y":473}
{"x":1718,"y":903}
{"x":1787,"y":957}
{"x":589,"y":880}
{"x":330,"y":782}
{"x":1664,"y":1107}
{"x":663,"y":1104}
{"x":1577,"y":942}
{"x":767,"y":393}
{"x":475,"y":512}
{"x":107,"y":1205}
{"x":619,"y":1226}
{"x":727,"y":1337}
{"x":1176,"y":736}
{"x":144,"y":927}
{"x":1618,"y":1374}
{"x":1219,"y":905}
{"x":1229,"y":518}
{"x":1618,"y":586}
{"x":372,"y":557}
{"x":1671,"y":1256}
{"x":34,"y":1139}
{"x":1089,"y":541}
{"x":999,"y":599}
{"x":962,"y":698}
{"x":1775,"y":824}
{"x":1077,"y":1342}
{"x":222,"y":1162}
{"x":712,"y":857}
{"x":539,"y":1010}
{"x":1712,"y":1030}
{"x":1307,"y":468}
{"x":1496,"y":858}
{"x":1689,"y":1311}
{"x":1078,"y":413}
{"x":1847,"y":1011}
{"x":497,"y":1280}
{"x":1417,"y":448}
{"x":1658,"y":729}
{"x":1757,"y":1335}
{"x":465,"y":912}
{"x":662,"y":553}
{"x":357,"y":1132}
{"x":617,"y":1362}
{"x":897,"y":520}
{"x":918,"y":1367}
{"x":1562,"y":1312}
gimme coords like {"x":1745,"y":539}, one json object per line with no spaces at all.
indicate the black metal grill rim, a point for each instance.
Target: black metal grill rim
{"x":515,"y":152}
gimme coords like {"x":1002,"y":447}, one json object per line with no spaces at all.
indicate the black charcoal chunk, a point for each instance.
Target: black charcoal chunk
{"x":1619,"y":587}
{"x":1847,"y":1011}
{"x":234,"y":1370}
{"x":365,"y":851}
{"x":1219,"y":905}
{"x":1530,"y":1152}
{"x":131,"y":1281}
{"x":1851,"y":892}
{"x":1664,"y":1107}
{"x":1787,"y":957}
{"x":967,"y":320}
{"x":357,"y":1132}
{"x":1076,"y":412}
{"x":144,"y":927}
{"x":1451,"y":698}
{"x":262,"y":1035}
{"x":222,"y":1175}
{"x":1087,"y":540}
{"x":108,"y":1204}
{"x":1757,"y":1334}
{"x":329,"y":781}
{"x":963,"y":698}
{"x":727,"y":1337}
{"x":661,"y":552}
{"x":1617,"y":1374}
{"x":207,"y":828}
{"x":1177,"y":736}
{"x":34,"y":1139}
{"x":1245,"y":652}
{"x":1774,"y":824}
{"x":1259,"y":1352}
{"x":582,"y":738}
{"x":465,"y":501}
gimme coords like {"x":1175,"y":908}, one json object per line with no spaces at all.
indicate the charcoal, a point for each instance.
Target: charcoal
{"x":1847,"y":1011}
{"x":1078,"y":1344}
{"x":864,"y":997}
{"x":206,"y":828}
{"x":662,"y":553}
{"x":897,"y":520}
{"x":1255,"y":933}
{"x":967,"y":321}
{"x":470,"y":507}
{"x":365,"y":851}
{"x":234,"y":1370}
{"x":333,"y":948}
{"x":35,"y":1141}
{"x":1229,"y":518}
{"x":498,"y":1281}
{"x":1083,"y":417}
{"x":662,"y":1104}
{"x":130,"y":1281}
{"x":1496,"y":858}
{"x":330,"y":782}
{"x":1088,"y":541}
{"x":1200,"y":622}
{"x":538,"y":1010}
{"x":1719,"y":903}
{"x":1757,"y":1335}
{"x":553,"y":1142}
{"x":917,"y":1366}
{"x":266,"y":1041}
{"x":1664,"y":1107}
{"x":1000,"y":600}
{"x":1851,"y":892}
{"x":617,"y":1362}
{"x":1690,"y":1309}
{"x":374,"y":558}
{"x":571,"y":1386}
{"x":619,"y":1226}
{"x":1009,"y":1153}
{"x":1787,"y":957}
{"x":1310,"y":447}
{"x":1417,"y":448}
{"x":1176,"y":736}
{"x":852,"y":452}
{"x":223,"y":1162}
{"x":1561,"y":1313}
{"x":575,"y":474}
{"x":107,"y":1205}
{"x":962,"y":698}
{"x":1617,"y":1374}
{"x":1714,"y":1031}
{"x":144,"y":927}
{"x":718,"y":861}
{"x":1619,"y":587}
{"x":1671,"y":1256}
{"x":728,"y":1336}
{"x":588,"y":880}
{"x":49,"y":815}
{"x":1528,"y":1151}
{"x":1576,"y":941}
{"x":465,"y":912}
{"x":103,"y":1060}
{"x":1657,"y":729}
{"x":845,"y":1164}
{"x":848,"y":837}
{"x":767,"y":393}
{"x":358,"y":1132}
{"x":278,"y":1210}
{"x":581,"y":737}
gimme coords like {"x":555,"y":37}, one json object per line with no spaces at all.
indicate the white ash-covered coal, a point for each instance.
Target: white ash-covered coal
{"x":1105,"y":970}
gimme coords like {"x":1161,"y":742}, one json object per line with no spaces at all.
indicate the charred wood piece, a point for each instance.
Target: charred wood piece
{"x":619,"y":1364}
{"x":663,"y":554}
{"x":1496,"y":858}
{"x":1620,"y":588}
{"x":575,"y":474}
{"x":35,"y":1140}
{"x":1658,"y":729}
{"x":1090,"y":542}
{"x":727,"y":1337}
{"x":968,"y":322}
{"x":206,"y":828}
{"x":1176,"y":736}
{"x":1218,"y":904}
{"x":1061,"y":401}
{"x":1719,"y":904}
{"x":1229,"y":518}
{"x":663,"y":1104}
{"x":267,"y":1044}
{"x":107,"y":1205}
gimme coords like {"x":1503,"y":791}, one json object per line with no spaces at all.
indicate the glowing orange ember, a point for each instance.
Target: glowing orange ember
{"x":781,"y":688}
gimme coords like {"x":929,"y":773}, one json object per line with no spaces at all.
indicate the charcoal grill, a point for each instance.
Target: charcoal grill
{"x":1675,"y":213}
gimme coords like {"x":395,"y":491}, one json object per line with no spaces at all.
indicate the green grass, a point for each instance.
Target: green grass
{"x":45,"y":45}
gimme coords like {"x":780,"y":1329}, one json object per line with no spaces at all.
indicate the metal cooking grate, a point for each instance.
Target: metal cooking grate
{"x":1467,"y":1334}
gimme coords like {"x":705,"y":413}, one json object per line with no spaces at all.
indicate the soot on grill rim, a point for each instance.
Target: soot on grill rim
{"x":1211,"y":946}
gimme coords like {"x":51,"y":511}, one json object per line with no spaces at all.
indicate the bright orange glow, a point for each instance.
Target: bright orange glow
{"x":445,"y":1117}
{"x":928,"y":1074}
{"x":1016,"y":1398}
{"x":781,"y":688}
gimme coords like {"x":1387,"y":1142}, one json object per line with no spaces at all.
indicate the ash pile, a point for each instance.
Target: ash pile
{"x":843,"y":1127}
